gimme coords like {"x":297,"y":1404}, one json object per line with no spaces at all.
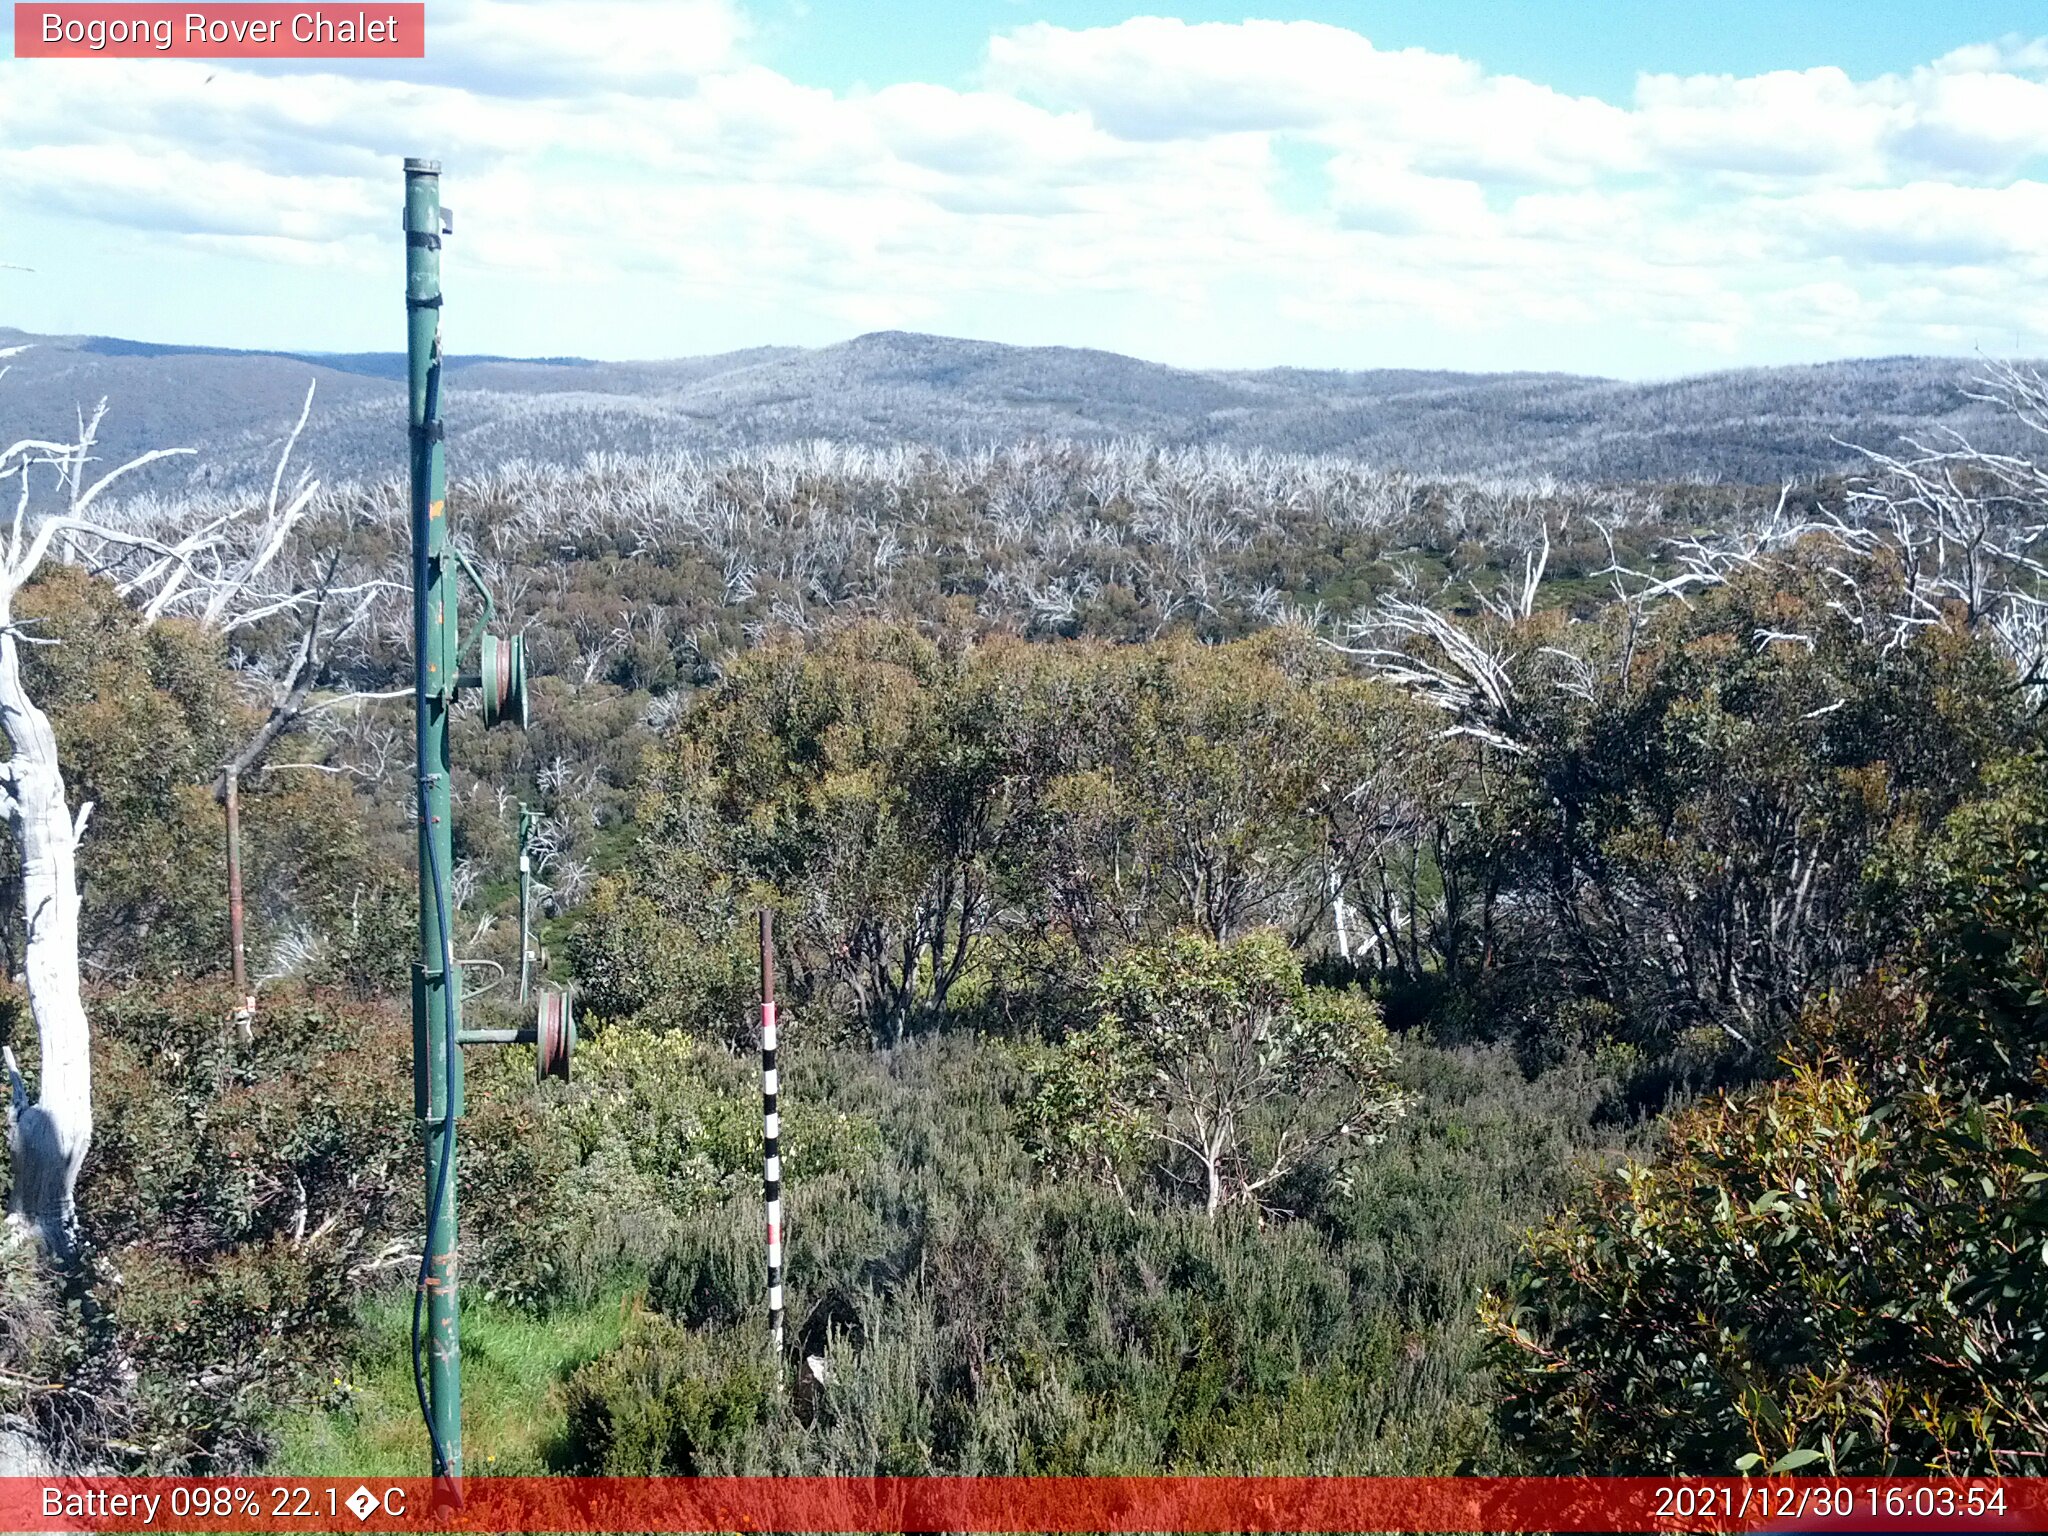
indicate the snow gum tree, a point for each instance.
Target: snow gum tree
{"x":49,"y":1135}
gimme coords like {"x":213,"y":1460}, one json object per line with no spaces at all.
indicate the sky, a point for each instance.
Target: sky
{"x":1634,"y":188}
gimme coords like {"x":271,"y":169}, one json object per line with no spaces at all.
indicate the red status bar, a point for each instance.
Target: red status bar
{"x":1051,"y":1504}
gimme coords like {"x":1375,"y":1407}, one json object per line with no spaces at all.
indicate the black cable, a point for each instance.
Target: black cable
{"x":447,"y":1164}
{"x":438,"y":1198}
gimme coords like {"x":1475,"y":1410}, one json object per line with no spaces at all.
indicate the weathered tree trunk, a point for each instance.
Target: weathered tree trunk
{"x":48,"y":1138}
{"x":227,"y":789}
{"x":231,"y":813}
{"x":238,"y":950}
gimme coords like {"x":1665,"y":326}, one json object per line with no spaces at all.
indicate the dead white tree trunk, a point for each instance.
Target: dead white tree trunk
{"x":211,"y":567}
{"x":48,"y":1137}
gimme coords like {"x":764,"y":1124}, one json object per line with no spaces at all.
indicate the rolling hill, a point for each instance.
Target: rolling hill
{"x":1755,"y":425}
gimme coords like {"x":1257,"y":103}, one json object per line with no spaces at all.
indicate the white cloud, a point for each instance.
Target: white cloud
{"x":1157,"y":161}
{"x":1155,"y":78}
{"x":1814,"y":122}
{"x":1980,"y":123}
{"x":1924,"y":222}
{"x":1377,"y":192}
{"x":983,"y":136}
{"x":550,"y":48}
{"x":121,"y":184}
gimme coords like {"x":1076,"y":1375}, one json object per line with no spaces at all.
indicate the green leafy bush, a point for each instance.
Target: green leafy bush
{"x":1847,"y":1269}
{"x":667,"y":1402}
{"x":145,"y":715}
{"x":237,"y":1199}
{"x":980,"y":1317}
{"x":1797,"y":1281}
{"x":42,"y":1346}
{"x":634,"y":963}
{"x":1220,"y":1060}
{"x":581,"y":1184}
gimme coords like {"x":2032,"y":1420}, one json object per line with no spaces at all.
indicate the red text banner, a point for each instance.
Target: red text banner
{"x":1051,"y":1504}
{"x":364,"y":29}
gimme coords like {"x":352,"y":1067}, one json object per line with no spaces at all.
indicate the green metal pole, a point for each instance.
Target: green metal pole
{"x":437,"y":1064}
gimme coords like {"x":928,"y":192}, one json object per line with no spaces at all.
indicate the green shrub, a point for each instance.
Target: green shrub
{"x":635,"y":963}
{"x":978,"y":1317}
{"x":1799,"y":1280}
{"x":1221,"y":1063}
{"x":580,"y":1185}
{"x":42,"y":1398}
{"x":237,"y":1198}
{"x":668,"y":1402}
{"x":1847,"y":1269}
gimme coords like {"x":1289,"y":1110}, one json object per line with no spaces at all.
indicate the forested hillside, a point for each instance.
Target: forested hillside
{"x":1289,"y":965}
{"x":1754,"y":426}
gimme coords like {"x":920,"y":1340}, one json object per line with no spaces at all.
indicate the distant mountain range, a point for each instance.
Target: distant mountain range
{"x":1756,"y":426}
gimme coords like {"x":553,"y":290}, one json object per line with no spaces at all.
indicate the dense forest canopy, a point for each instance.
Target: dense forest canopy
{"x":1289,"y":967}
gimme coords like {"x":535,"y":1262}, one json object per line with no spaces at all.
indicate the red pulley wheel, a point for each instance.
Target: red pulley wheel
{"x":501,"y":680}
{"x":554,"y":1035}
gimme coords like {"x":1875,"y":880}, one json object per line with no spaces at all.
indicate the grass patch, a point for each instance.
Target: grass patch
{"x":512,"y":1411}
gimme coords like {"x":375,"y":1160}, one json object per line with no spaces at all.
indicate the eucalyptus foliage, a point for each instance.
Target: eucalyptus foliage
{"x":1221,"y":1064}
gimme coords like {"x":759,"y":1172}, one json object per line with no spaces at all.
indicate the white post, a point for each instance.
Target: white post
{"x":771,"y":1142}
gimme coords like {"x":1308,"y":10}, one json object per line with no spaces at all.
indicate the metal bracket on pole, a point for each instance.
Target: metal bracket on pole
{"x":466,"y":567}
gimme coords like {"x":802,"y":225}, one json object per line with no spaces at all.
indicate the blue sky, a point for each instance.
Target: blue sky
{"x":1594,"y":47}
{"x":1627,"y":188}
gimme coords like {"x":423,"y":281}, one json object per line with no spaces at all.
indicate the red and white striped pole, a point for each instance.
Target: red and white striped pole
{"x":771,"y":1139}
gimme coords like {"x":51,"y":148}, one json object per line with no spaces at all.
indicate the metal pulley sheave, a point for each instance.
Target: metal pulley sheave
{"x":501,"y":680}
{"x":554,"y":1035}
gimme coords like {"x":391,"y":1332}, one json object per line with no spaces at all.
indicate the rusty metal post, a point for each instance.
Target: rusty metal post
{"x":526,"y":957}
{"x":231,"y":808}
